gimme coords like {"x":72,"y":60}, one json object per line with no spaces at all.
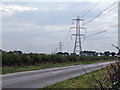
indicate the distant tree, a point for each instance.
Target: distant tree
{"x":1,"y":50}
{"x":107,"y":53}
{"x":96,"y":54}
{"x":42,"y":54}
{"x":101,"y":54}
{"x":10,"y":52}
{"x":59,"y":53}
{"x":84,"y":53}
{"x":113,"y":54}
{"x":73,"y":54}
{"x":30,"y":53}
{"x":18,"y":52}
{"x":66,"y":53}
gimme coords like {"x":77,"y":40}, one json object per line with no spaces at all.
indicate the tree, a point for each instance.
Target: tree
{"x":113,"y":54}
{"x":107,"y":53}
{"x":59,"y":53}
{"x":18,"y":52}
{"x":66,"y":53}
{"x":73,"y":54}
{"x":101,"y":54}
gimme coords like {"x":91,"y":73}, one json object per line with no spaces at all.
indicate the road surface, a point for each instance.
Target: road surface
{"x":45,"y":77}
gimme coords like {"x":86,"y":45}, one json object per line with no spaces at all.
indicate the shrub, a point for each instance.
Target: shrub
{"x":12,"y":59}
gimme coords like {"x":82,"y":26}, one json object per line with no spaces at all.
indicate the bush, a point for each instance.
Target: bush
{"x":12,"y":59}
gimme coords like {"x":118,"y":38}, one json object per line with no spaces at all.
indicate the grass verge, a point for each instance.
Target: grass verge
{"x":81,"y":81}
{"x":13,"y":69}
{"x":107,"y":77}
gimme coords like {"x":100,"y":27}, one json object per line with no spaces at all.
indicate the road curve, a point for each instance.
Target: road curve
{"x":41,"y":78}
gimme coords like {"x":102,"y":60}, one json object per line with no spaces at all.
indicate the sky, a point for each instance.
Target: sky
{"x":39,"y":26}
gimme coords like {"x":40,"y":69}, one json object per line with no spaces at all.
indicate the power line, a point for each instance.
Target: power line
{"x":90,"y":9}
{"x":111,"y":27}
{"x":113,"y":8}
{"x":66,"y":37}
{"x":68,"y":43}
{"x":65,"y":41}
{"x":55,"y":51}
{"x":103,"y":38}
{"x":103,"y":12}
{"x":58,"y":48}
{"x":61,"y":46}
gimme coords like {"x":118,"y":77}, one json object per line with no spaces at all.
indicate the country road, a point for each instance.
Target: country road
{"x":41,"y":78}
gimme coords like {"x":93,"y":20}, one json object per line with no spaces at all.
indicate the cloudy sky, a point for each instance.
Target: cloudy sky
{"x":40,"y":26}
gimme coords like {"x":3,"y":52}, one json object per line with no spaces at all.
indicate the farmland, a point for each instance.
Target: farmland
{"x":12,"y":62}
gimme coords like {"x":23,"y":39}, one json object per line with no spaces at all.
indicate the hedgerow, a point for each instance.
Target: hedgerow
{"x":12,"y":59}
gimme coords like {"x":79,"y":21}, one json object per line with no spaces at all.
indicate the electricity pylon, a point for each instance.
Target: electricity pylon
{"x":60,"y":46}
{"x":78,"y":27}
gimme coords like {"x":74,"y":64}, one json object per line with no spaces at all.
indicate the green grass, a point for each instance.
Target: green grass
{"x":13,"y":69}
{"x":82,"y":81}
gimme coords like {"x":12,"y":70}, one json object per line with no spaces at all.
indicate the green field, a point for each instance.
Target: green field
{"x":13,"y":69}
{"x":12,"y":62}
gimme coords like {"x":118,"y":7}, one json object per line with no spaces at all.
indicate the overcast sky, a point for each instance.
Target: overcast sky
{"x":40,"y":26}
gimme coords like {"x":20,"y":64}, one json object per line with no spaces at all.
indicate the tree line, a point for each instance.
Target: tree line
{"x":18,"y":58}
{"x":91,"y":53}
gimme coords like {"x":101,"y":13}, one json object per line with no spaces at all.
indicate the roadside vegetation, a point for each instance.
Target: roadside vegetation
{"x":12,"y":69}
{"x":16,"y":61}
{"x":108,"y":77}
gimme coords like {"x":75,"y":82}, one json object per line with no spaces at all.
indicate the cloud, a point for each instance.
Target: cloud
{"x":38,"y":38}
{"x":27,"y":26}
{"x":11,"y":9}
{"x":62,"y":7}
{"x":59,"y":7}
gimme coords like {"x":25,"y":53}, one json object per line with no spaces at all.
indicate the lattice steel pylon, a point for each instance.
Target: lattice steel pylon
{"x":78,"y":27}
{"x":60,"y":47}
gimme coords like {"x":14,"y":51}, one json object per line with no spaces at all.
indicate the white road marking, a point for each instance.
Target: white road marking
{"x":57,"y":71}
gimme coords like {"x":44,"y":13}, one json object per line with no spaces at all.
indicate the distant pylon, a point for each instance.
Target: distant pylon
{"x":78,"y":27}
{"x":60,"y":46}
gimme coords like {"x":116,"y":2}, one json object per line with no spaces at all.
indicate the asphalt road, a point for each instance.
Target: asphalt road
{"x":41,"y":78}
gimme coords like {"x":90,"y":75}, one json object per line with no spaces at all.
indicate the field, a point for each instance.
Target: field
{"x":12,"y":62}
